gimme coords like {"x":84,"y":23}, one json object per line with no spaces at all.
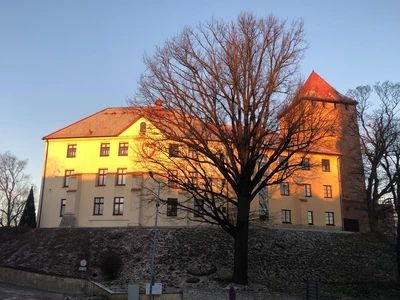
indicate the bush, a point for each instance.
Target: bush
{"x":111,"y":265}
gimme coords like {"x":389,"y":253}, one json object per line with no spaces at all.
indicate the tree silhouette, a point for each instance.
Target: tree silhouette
{"x":28,"y":218}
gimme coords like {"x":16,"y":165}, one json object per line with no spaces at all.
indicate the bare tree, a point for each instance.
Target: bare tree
{"x":224,"y":137}
{"x":379,"y":136}
{"x":14,"y":188}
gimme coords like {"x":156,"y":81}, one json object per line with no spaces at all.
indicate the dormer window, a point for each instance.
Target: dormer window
{"x":142,"y":128}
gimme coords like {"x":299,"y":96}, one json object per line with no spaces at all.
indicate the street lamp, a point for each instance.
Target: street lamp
{"x":151,"y":174}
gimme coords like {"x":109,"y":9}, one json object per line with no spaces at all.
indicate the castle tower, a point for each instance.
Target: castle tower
{"x":343,"y":110}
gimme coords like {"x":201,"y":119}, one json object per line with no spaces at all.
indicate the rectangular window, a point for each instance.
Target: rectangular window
{"x":325,"y":165}
{"x":172,"y":180}
{"x":285,"y":188}
{"x":173,"y":150}
{"x":67,"y":175}
{"x":307,"y":190}
{"x":71,"y":151}
{"x":98,"y":206}
{"x":329,"y":218}
{"x":327,"y":191}
{"x":193,"y":153}
{"x":286,"y":216}
{"x":62,"y":209}
{"x":310,"y":218}
{"x":101,"y":177}
{"x":105,"y":149}
{"x":198,"y":207}
{"x":118,"y":206}
{"x":305,"y":165}
{"x":121,"y":177}
{"x":193,"y":178}
{"x":172,"y":207}
{"x":123,"y":149}
{"x":283,"y":159}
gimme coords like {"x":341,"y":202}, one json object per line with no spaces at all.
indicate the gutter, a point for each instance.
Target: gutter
{"x":340,"y":193}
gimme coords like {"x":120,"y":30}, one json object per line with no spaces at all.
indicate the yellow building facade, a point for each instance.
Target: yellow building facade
{"x":92,"y":178}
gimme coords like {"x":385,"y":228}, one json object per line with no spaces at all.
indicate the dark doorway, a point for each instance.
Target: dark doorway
{"x":351,"y":225}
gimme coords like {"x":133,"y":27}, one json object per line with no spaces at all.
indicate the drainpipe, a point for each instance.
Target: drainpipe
{"x":340,"y":193}
{"x":43,"y":182}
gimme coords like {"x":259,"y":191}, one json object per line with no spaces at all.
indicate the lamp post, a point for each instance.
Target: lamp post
{"x":151,"y":174}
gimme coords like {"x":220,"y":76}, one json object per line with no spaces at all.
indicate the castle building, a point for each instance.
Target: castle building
{"x":90,"y":178}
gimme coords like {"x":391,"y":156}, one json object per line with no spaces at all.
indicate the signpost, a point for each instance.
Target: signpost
{"x":232,"y":293}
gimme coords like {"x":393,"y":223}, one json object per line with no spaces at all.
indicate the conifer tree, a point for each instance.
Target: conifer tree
{"x":28,"y":218}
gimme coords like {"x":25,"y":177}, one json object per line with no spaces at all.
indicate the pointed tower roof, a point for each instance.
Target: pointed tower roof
{"x":316,"y":88}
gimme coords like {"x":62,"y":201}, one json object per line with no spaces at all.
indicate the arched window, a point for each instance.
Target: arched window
{"x":142,"y":128}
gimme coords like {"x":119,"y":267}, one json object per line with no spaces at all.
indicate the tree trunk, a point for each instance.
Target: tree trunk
{"x":241,"y":237}
{"x":398,"y":252}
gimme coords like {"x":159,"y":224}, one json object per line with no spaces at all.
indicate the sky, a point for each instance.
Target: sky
{"x":63,"y":60}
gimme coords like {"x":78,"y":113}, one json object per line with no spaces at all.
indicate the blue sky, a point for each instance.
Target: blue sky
{"x":61,"y":61}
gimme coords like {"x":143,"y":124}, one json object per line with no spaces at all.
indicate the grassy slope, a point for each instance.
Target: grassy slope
{"x":280,"y":260}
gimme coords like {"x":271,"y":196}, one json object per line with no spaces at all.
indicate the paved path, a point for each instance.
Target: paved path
{"x":14,"y":292}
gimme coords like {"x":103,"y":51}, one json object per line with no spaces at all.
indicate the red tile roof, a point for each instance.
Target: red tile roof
{"x":316,"y":88}
{"x":107,"y":122}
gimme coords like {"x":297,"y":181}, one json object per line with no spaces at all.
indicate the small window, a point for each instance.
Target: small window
{"x":172,"y":207}
{"x":67,"y":175}
{"x":173,"y":150}
{"x":193,"y":178}
{"x":118,"y":206}
{"x":285,"y":188}
{"x":198,"y":207}
{"x":62,"y":209}
{"x":105,"y":149}
{"x":327,"y":191}
{"x":71,"y":151}
{"x":286,"y":216}
{"x":305,"y":164}
{"x":310,"y":218}
{"x":98,"y":206}
{"x":283,"y":159}
{"x":325,"y":165}
{"x":193,"y":153}
{"x":101,"y":177}
{"x":121,"y":177}
{"x":307,"y":190}
{"x":329,"y":218}
{"x":123,"y":149}
{"x":172,"y":180}
{"x":346,"y":107}
{"x":142,"y":130}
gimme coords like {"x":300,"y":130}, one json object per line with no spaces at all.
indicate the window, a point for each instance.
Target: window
{"x":101,"y":177}
{"x":98,"y":206}
{"x":142,"y":130}
{"x":198,"y":207}
{"x":67,"y":175}
{"x":71,"y":152}
{"x":310,"y":218}
{"x":327,"y":191}
{"x":123,"y":149}
{"x":173,"y":150}
{"x":193,"y":153}
{"x":105,"y":149}
{"x":121,"y":176}
{"x":286,"y":216}
{"x":62,"y":209}
{"x":193,"y":178}
{"x":305,"y":164}
{"x":307,"y":190}
{"x":329,"y":218}
{"x":172,"y":180}
{"x":285,"y":188}
{"x":325,"y":165}
{"x":118,"y":206}
{"x":172,"y":207}
{"x":283,"y":159}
